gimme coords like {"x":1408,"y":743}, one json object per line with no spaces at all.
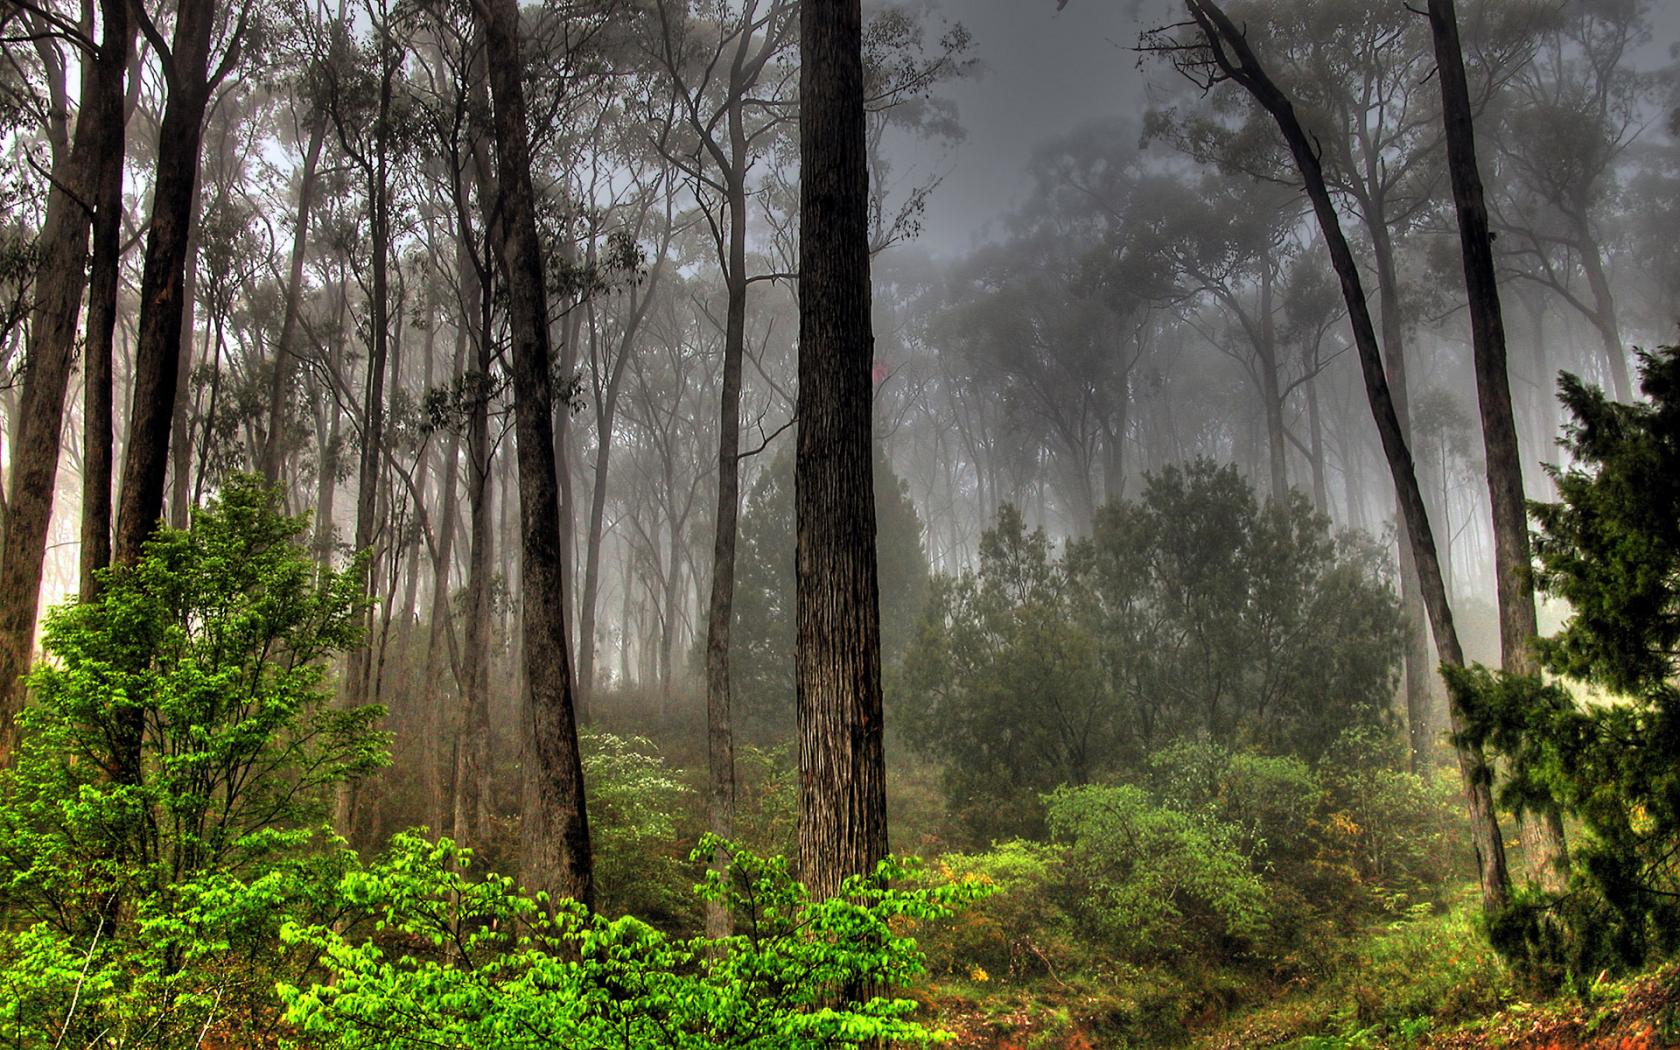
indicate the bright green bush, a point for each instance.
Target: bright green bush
{"x":1157,"y":882}
{"x":171,"y":783}
{"x":1025,"y":927}
{"x":635,"y":801}
{"x":476,"y":964}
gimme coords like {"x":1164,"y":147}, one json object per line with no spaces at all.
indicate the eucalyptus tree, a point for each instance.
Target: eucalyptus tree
{"x":554,"y":844}
{"x":730,"y":71}
{"x":1211,"y":50}
{"x":85,"y":164}
{"x":367,"y":111}
{"x":1226,"y":243}
{"x":1547,"y":854}
{"x":1563,"y":137}
{"x":842,"y":763}
{"x":1357,"y":78}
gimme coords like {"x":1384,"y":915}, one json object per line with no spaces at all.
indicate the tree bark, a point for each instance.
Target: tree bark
{"x":842,"y":788}
{"x":1545,"y":849}
{"x":1230,"y":51}
{"x":280,"y":381}
{"x":157,"y":351}
{"x":59,"y":285}
{"x":720,"y":735}
{"x":554,"y":848}
{"x":98,"y":394}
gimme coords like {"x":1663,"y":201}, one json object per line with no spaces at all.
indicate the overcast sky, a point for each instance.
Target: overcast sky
{"x":1046,"y":72}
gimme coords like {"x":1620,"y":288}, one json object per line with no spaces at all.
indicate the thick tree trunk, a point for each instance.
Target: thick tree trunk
{"x":1231,"y":51}
{"x":554,"y":848}
{"x":59,"y":283}
{"x":842,"y":784}
{"x":1544,"y":847}
{"x":157,"y":351}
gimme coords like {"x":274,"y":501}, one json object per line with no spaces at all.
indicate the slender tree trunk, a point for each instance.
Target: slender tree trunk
{"x":373,"y":402}
{"x":1604,"y":306}
{"x":285,"y":352}
{"x":1271,"y":390}
{"x":1231,"y":51}
{"x":554,"y":849}
{"x":842,"y":784}
{"x":439,"y":770}
{"x":720,"y":737}
{"x":1544,"y":847}
{"x":1415,"y":655}
{"x":471,"y":792}
{"x":1315,"y":442}
{"x":606,"y":411}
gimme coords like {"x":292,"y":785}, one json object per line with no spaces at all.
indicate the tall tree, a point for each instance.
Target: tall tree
{"x":554,"y":846}
{"x":719,"y":163}
{"x":60,"y":282}
{"x":157,"y":352}
{"x":1222,"y":52}
{"x":103,"y":280}
{"x":842,"y":785}
{"x":1546,"y":853}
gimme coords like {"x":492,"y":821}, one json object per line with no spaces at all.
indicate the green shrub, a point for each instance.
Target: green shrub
{"x":1024,"y":928}
{"x":171,"y":782}
{"x":1157,"y":882}
{"x":476,"y":964}
{"x":635,"y":802}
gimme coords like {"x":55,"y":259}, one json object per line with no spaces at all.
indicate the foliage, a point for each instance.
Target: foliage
{"x":1610,"y":546}
{"x":170,"y":779}
{"x":1025,"y":927}
{"x":1195,"y":610}
{"x":634,"y":802}
{"x":474,"y":963}
{"x":1159,"y":882}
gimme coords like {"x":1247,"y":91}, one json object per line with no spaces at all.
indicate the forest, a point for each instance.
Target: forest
{"x":1005,"y":524}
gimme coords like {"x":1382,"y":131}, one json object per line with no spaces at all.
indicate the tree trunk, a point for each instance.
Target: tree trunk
{"x":720,"y":737}
{"x":1271,"y":390}
{"x":554,"y":847}
{"x":373,"y":401}
{"x":1315,"y":443}
{"x":157,"y":352}
{"x":59,"y":284}
{"x":1231,"y":51}
{"x":842,"y":784}
{"x":1545,"y":850}
{"x":471,"y":792}
{"x":285,"y":354}
{"x":98,"y":394}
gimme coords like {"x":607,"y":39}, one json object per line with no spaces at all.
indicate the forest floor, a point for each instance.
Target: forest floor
{"x":1426,"y":983}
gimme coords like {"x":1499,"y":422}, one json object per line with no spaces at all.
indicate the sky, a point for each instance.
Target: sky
{"x":1045,"y":72}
